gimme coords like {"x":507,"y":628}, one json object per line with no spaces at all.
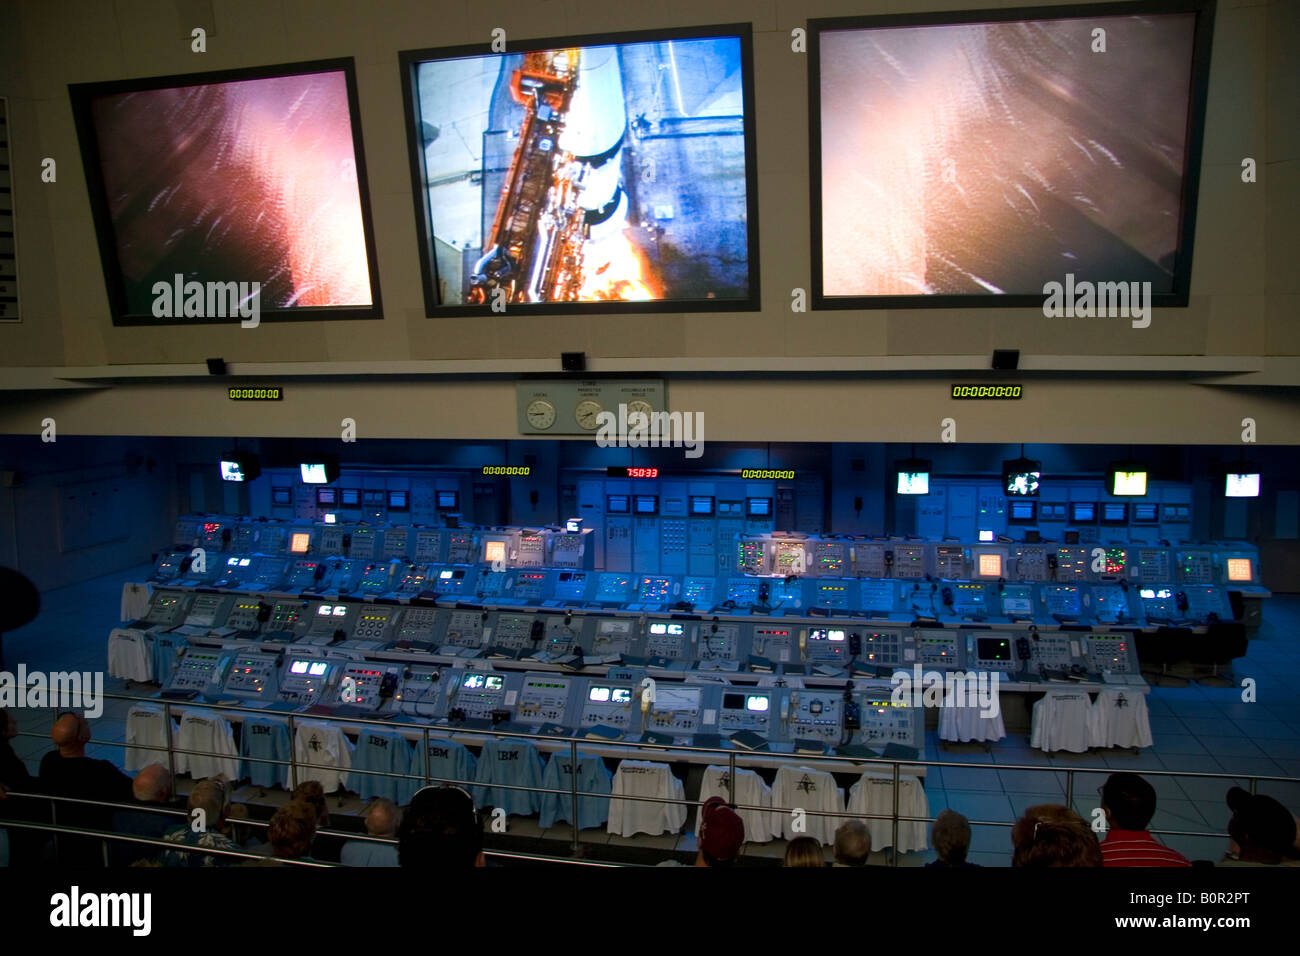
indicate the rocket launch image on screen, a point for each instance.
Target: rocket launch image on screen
{"x":616,"y":176}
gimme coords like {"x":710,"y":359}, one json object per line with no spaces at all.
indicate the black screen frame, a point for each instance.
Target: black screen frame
{"x":1198,"y":89}
{"x":83,"y":95}
{"x":409,"y":60}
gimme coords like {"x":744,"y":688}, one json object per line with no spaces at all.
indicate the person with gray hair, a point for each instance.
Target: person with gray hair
{"x":852,"y":844}
{"x":209,"y":805}
{"x":382,"y":820}
{"x":950,"y":837}
{"x":152,"y":789}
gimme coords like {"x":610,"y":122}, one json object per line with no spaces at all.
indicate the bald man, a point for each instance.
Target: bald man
{"x":382,"y":820}
{"x":152,"y":788}
{"x":66,"y":771}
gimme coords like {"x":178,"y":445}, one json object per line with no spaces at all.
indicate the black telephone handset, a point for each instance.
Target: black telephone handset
{"x":536,"y":631}
{"x":947,"y":597}
{"x":320,"y":571}
{"x":1180,"y":598}
{"x":855,"y":644}
{"x":852,"y":711}
{"x":1051,"y":562}
{"x":387,"y":686}
{"x":1023,"y":650}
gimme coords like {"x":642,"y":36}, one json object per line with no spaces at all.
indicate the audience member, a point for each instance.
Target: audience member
{"x":804,"y":851}
{"x":382,"y":818}
{"x":292,"y":830}
{"x":152,"y":787}
{"x":66,"y":771}
{"x":950,"y":837}
{"x":440,"y":831}
{"x":722,"y":833}
{"x":324,"y":848}
{"x":852,"y":844}
{"x":203,"y":829}
{"x":1262,"y":832}
{"x":1053,"y":836}
{"x":1129,"y":803}
{"x":24,"y":845}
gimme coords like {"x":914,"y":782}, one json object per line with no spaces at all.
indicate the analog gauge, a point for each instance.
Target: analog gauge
{"x":586,"y":413}
{"x":541,"y":413}
{"x":639,"y":406}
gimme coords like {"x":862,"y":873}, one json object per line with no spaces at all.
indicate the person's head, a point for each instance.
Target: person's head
{"x":1128,"y":801}
{"x":950,"y":837}
{"x":312,"y":793}
{"x":212,"y":796}
{"x":440,"y":830}
{"x":1263,"y":830}
{"x":721,"y":833}
{"x":382,"y":817}
{"x":292,"y":829}
{"x":1052,"y":835}
{"x":804,"y":851}
{"x":70,"y":734}
{"x":153,"y":784}
{"x":852,"y":843}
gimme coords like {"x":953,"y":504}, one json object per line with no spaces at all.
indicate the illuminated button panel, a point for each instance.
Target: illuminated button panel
{"x":719,"y":642}
{"x":827,"y":644}
{"x":480,"y":694}
{"x":465,"y":629}
{"x":817,"y":715}
{"x":613,"y":636}
{"x":665,"y":639}
{"x":909,"y":561}
{"x":195,"y":670}
{"x":252,"y":676}
{"x":939,"y":648}
{"x":610,"y":703}
{"x":544,"y":698}
{"x":1109,"y":654}
{"x":747,"y":709}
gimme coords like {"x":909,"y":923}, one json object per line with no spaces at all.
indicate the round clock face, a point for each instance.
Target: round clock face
{"x":585,"y":414}
{"x":639,"y":406}
{"x":541,"y":414}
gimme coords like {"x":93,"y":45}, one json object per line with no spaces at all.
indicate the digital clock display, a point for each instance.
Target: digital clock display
{"x":620,"y":472}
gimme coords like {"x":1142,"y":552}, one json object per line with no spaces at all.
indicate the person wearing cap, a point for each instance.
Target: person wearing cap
{"x":440,"y":830}
{"x":721,"y":834}
{"x":1262,"y":831}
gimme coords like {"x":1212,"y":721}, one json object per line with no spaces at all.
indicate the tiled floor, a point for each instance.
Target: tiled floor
{"x":1196,"y":729}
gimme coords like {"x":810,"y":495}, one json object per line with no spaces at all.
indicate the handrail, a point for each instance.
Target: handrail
{"x":664,"y":751}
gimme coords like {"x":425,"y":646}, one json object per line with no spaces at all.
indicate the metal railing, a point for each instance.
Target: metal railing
{"x":426,"y":735}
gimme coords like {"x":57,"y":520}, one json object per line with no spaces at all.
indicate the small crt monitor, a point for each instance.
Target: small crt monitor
{"x":913,"y":483}
{"x":990,"y":564}
{"x":1239,"y":569}
{"x":1241,"y":486}
{"x":702,"y":505}
{"x":317,"y":668}
{"x":313,"y":473}
{"x":1020,"y":477}
{"x":757,"y":703}
{"x":1083,"y":512}
{"x":573,"y":525}
{"x":620,"y":695}
{"x":994,"y":648}
{"x":352,"y":497}
{"x":616,"y":504}
{"x":1128,"y":483}
{"x":647,"y":504}
{"x":1022,"y":512}
{"x":398,"y":500}
{"x":300,"y":542}
{"x":987,"y":536}
{"x":758,"y":507}
{"x":448,"y":500}
{"x":494,"y":551}
{"x":330,"y":518}
{"x":298,"y":667}
{"x":232,"y":471}
{"x":493,"y":683}
{"x":598,"y":694}
{"x":472,"y":681}
{"x":326,"y":496}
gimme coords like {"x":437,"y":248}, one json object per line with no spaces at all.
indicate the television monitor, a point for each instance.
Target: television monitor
{"x":281,"y":496}
{"x":1000,"y":158}
{"x":1022,"y":512}
{"x":1126,"y":480}
{"x":448,"y":500}
{"x":616,"y":505}
{"x":1239,"y":569}
{"x":299,"y":542}
{"x":1083,"y":512}
{"x":1114,"y":512}
{"x":604,"y":173}
{"x":702,"y":505}
{"x":647,"y":504}
{"x":321,"y":470}
{"x":351,"y":496}
{"x":1020,"y":477}
{"x":398,"y":500}
{"x":758,"y":507}
{"x":326,"y":496}
{"x":1244,"y":485}
{"x":913,"y":476}
{"x":231,"y":196}
{"x":494,"y":552}
{"x":986,"y":535}
{"x":240,"y":467}
{"x":330,"y":518}
{"x":1144,"y":513}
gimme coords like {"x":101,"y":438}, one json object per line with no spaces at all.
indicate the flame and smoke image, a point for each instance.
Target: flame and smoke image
{"x":248,"y":180}
{"x":587,"y":174}
{"x":992,"y":158}
{"x":239,"y":181}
